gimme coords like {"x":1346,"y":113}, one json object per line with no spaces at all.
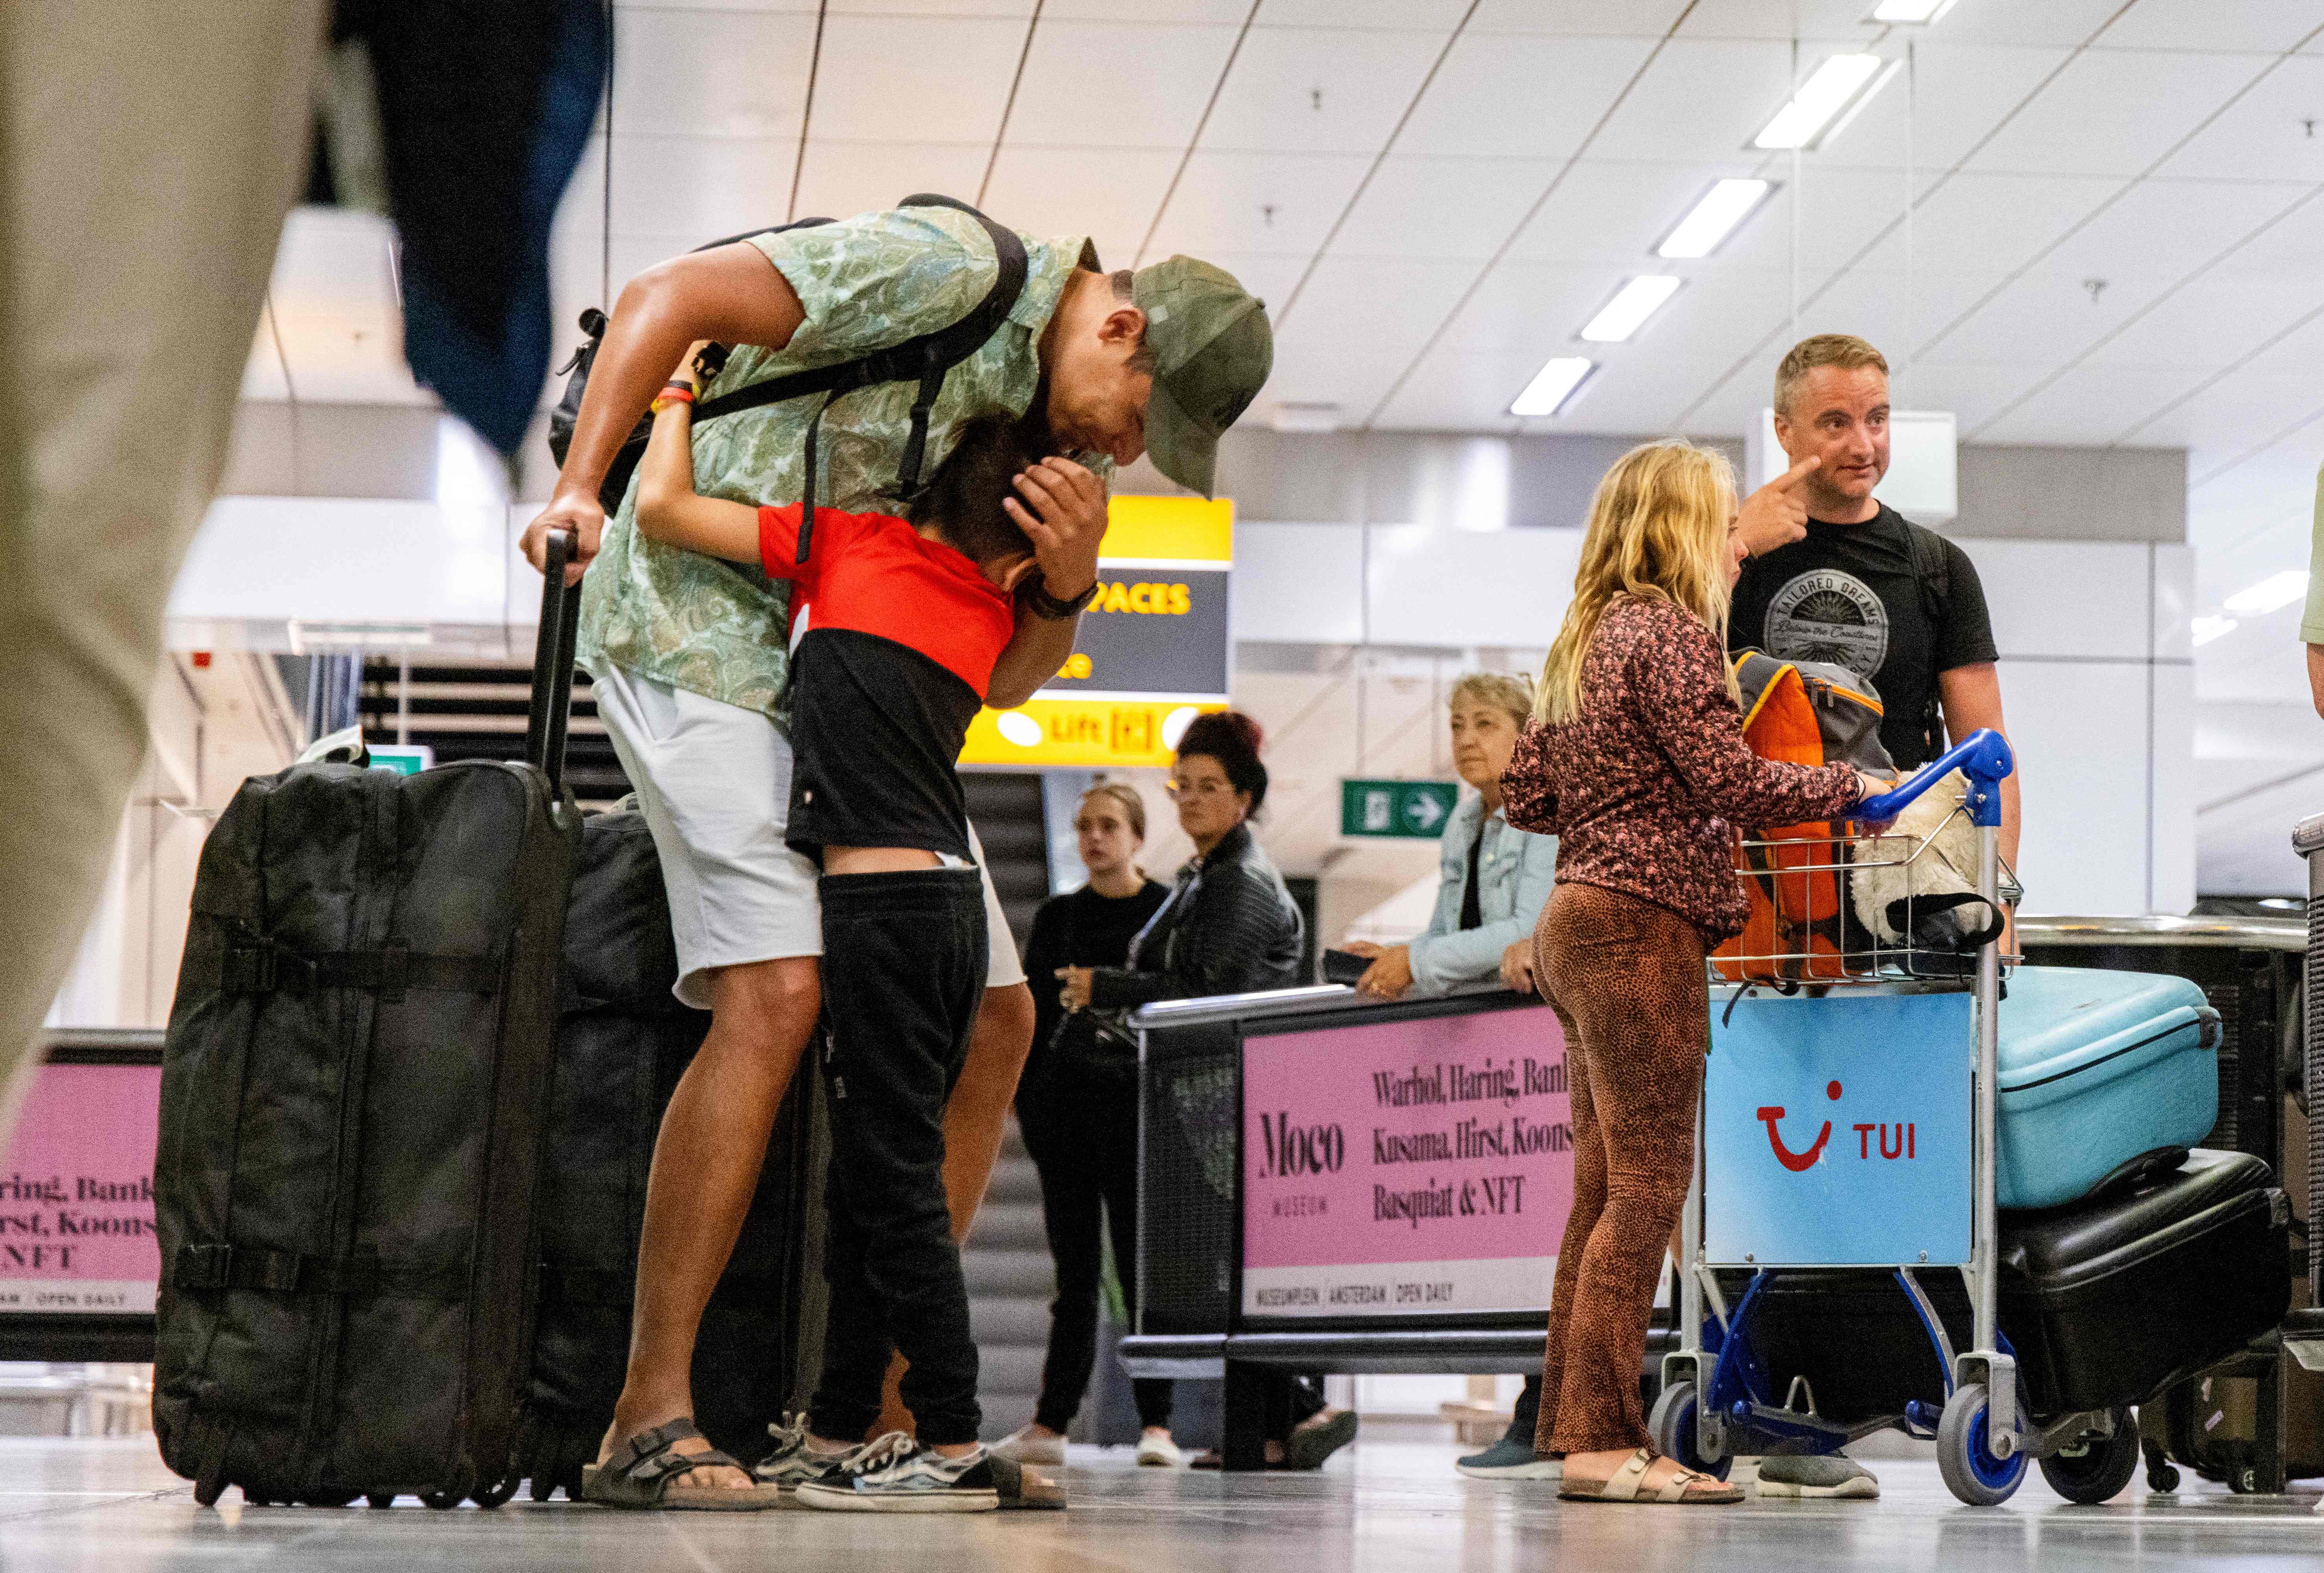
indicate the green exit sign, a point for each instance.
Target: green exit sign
{"x":1396,"y":808}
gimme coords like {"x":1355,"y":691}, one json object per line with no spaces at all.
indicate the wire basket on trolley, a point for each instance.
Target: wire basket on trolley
{"x":1834,"y":904}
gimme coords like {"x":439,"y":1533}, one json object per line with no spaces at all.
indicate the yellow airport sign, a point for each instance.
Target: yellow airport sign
{"x":1112,"y":733}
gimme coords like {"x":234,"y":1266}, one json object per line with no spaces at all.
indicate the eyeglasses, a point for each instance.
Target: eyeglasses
{"x":1180,"y":790}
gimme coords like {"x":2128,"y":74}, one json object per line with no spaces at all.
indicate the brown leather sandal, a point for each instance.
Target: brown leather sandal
{"x":1687,"y":1488}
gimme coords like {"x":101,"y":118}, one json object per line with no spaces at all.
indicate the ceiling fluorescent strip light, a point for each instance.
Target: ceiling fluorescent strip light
{"x":1628,"y":312}
{"x":1554,"y":386}
{"x":1919,"y":12}
{"x":2206,"y":629}
{"x":1848,"y":116}
{"x":1713,"y":218}
{"x":2272,"y":593}
{"x":1819,"y":99}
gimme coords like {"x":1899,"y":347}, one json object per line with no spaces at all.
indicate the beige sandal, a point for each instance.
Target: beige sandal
{"x":1686,"y":1488}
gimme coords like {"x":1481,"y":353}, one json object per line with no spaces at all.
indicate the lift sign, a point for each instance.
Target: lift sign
{"x":1836,"y":1131}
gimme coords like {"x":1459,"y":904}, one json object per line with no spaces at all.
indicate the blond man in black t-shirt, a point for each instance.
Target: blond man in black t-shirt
{"x":1837,"y":576}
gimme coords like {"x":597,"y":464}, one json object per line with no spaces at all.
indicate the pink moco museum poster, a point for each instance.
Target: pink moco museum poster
{"x":77,"y":1192}
{"x":1406,"y":1168}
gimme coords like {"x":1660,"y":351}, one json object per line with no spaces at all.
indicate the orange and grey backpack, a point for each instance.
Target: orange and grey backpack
{"x":1801,"y":929}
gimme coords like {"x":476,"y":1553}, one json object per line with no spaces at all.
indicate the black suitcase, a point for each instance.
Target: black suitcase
{"x":355,"y":1085}
{"x":2107,"y":1302}
{"x":623,"y":1041}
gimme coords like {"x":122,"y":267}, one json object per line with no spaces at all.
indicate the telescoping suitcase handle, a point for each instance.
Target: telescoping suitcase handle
{"x":552,"y":664}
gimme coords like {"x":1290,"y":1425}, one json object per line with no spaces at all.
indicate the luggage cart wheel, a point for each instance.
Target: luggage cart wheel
{"x":2097,"y":1468}
{"x":1970,"y":1470}
{"x":1672,"y":1424}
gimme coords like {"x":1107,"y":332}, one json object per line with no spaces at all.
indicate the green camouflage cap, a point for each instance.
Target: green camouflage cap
{"x":1212,"y":349}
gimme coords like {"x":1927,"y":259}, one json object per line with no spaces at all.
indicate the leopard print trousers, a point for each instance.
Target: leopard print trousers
{"x":1626,"y":978}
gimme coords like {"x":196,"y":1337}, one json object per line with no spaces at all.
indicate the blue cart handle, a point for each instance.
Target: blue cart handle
{"x":1983,"y":756}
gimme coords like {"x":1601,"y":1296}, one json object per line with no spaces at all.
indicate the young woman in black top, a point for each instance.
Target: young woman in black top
{"x":1077,"y":1104}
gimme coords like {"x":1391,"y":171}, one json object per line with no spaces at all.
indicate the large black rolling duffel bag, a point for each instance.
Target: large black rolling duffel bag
{"x":623,"y":1041}
{"x":354,"y":1087}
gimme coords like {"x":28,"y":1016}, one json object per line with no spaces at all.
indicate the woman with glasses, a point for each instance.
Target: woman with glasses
{"x":1227,"y":926}
{"x":1077,"y":1105}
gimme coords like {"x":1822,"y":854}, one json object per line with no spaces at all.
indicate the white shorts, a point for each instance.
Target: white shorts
{"x":715,"y":782}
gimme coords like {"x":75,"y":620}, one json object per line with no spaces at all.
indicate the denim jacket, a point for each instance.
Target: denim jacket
{"x":1515,"y":870}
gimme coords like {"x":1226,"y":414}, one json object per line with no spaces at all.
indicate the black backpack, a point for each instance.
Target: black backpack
{"x":925,"y":359}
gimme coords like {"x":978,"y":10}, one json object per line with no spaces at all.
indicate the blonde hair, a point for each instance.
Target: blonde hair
{"x":1513,"y":694}
{"x":1657,"y":531}
{"x":1123,"y":796}
{"x":1844,"y":350}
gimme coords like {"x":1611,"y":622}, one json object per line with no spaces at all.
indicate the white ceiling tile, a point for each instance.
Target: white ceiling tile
{"x":2272,"y":132}
{"x":705,"y":185}
{"x":712,"y":73}
{"x":1961,"y":93}
{"x":1580,"y":18}
{"x":1532,"y":309}
{"x":2043,"y":318}
{"x":1274,"y":204}
{"x":1841,"y":212}
{"x":2168,"y":228}
{"x":1019,"y":10}
{"x":1341,"y":304}
{"x":2086,"y":406}
{"x":1441,"y":14}
{"x":1639,"y":395}
{"x":2051,"y":23}
{"x":914,"y":79}
{"x":1840,"y":22}
{"x":1512,"y":96}
{"x":1442,"y":207}
{"x":2115,"y":114}
{"x":2204,"y":327}
{"x":2268,"y":26}
{"x":1455,"y":391}
{"x":1348,"y":375}
{"x":1720,"y":313}
{"x":1269,"y":278}
{"x":1164,"y":11}
{"x":1046,"y":191}
{"x":806,"y":7}
{"x":1892,"y":311}
{"x":2225,"y":417}
{"x":841,"y":179}
{"x":1603,"y":211}
{"x":1974,"y":393}
{"x":1306,"y":90}
{"x":1981,"y":223}
{"x":1699,"y":99}
{"x":1090,"y":84}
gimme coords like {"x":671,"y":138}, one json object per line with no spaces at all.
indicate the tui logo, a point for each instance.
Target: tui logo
{"x":1797,"y":1163}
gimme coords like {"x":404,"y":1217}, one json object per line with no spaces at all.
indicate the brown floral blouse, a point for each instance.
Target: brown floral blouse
{"x":1645,"y":788}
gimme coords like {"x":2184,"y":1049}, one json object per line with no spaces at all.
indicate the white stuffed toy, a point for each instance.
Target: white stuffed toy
{"x":1908,"y":883}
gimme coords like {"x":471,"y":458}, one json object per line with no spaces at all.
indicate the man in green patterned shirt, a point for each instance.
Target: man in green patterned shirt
{"x":689,"y":653}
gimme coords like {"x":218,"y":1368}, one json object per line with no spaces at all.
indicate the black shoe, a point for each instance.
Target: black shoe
{"x":896,"y":1475}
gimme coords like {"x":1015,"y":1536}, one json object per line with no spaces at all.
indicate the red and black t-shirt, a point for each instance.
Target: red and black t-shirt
{"x":894,"y":640}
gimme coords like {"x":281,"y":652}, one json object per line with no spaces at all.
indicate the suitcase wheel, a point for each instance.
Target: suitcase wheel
{"x":330,"y":1498}
{"x":380,"y":1498}
{"x":494,"y":1495}
{"x":1970,"y":1470}
{"x":443,"y":1500}
{"x":2097,"y":1468}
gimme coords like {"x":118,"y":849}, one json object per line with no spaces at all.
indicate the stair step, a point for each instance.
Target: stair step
{"x":1009,"y":1226}
{"x":1014,"y":1182}
{"x":1021,"y":1274}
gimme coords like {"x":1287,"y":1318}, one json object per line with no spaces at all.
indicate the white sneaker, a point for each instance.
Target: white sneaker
{"x":1159,"y":1452}
{"x":1028,"y":1446}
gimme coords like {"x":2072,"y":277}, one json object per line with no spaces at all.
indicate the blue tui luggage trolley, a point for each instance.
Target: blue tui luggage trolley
{"x":1908,"y":1192}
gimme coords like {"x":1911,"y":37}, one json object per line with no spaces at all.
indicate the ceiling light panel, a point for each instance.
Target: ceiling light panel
{"x":1628,"y":312}
{"x":1715,"y":218}
{"x":2206,"y":629}
{"x":1553,"y":385}
{"x":1819,"y":100}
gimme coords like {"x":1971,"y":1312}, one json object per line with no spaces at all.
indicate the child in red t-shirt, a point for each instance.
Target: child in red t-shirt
{"x":897,"y":625}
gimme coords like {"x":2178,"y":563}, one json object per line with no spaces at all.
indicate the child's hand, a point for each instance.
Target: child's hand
{"x":1064,"y":515}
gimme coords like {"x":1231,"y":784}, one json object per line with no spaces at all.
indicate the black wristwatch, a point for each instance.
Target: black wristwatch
{"x":1046,"y":604}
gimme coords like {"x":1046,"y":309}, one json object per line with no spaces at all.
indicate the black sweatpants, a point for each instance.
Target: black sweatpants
{"x":903,"y":972}
{"x":1080,"y":1126}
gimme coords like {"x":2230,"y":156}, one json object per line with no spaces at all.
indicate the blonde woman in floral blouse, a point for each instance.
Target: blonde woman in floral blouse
{"x":1636,"y":761}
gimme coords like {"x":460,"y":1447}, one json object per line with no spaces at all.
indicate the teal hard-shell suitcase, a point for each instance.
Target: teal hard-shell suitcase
{"x":2100,"y":1071}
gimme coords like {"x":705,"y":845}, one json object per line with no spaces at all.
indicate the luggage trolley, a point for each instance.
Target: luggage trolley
{"x":1718,"y":1401}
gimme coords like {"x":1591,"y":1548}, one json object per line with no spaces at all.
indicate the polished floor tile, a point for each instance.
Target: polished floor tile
{"x":110,"y":1507}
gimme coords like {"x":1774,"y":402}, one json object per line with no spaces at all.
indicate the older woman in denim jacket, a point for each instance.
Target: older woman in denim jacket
{"x":1493,"y":879}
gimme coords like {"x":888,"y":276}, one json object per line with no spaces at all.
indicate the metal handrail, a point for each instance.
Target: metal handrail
{"x":2288,"y":934}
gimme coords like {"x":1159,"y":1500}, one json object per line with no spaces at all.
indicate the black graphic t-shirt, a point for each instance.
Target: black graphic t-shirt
{"x":1846,"y":595}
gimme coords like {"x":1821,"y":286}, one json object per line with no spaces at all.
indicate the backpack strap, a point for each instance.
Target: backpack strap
{"x":1932,"y":576}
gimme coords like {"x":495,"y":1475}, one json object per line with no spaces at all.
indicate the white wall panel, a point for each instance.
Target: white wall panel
{"x":2080,"y":732}
{"x":2172,"y":849}
{"x":1299,"y":584}
{"x":336,"y":560}
{"x":2064,"y":597}
{"x":1457,"y":588}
